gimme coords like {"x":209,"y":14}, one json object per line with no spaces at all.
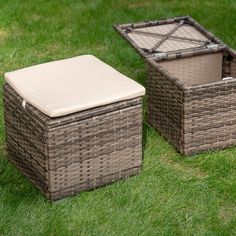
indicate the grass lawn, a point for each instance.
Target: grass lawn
{"x":173,"y":195}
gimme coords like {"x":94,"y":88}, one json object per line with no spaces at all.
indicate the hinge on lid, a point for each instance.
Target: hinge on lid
{"x":160,"y":55}
{"x":228,"y":78}
{"x":213,"y":46}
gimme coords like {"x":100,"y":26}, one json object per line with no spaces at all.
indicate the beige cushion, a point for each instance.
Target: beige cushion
{"x":66,"y":86}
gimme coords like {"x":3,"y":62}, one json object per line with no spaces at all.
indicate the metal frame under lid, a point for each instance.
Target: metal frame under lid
{"x":170,"y":38}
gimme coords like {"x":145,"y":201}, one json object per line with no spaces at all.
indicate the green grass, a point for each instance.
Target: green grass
{"x":173,"y":195}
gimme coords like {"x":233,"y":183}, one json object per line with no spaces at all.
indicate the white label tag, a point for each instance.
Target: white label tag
{"x":23,"y":103}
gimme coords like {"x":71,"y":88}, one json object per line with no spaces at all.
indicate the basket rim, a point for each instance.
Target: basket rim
{"x":54,"y":122}
{"x":182,"y":85}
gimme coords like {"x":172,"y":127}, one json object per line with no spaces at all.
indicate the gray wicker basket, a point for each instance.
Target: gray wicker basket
{"x":191,"y":83}
{"x":80,"y":151}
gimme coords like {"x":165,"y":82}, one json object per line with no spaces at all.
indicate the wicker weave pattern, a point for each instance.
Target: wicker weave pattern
{"x":144,"y":40}
{"x":191,"y":36}
{"x":187,"y":99}
{"x":209,"y":117}
{"x":195,"y":70}
{"x":233,"y":68}
{"x":193,"y":118}
{"x":165,"y":106}
{"x":66,"y":155}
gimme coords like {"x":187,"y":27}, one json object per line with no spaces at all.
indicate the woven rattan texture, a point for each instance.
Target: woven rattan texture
{"x":193,"y":118}
{"x":233,"y":68}
{"x":210,"y":117}
{"x":164,"y":106}
{"x":159,"y":41}
{"x":171,"y":44}
{"x":195,"y":70}
{"x":66,"y":155}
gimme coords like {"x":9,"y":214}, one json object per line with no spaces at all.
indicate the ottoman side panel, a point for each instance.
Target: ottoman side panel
{"x":229,"y":65}
{"x":233,"y":68}
{"x":95,"y":151}
{"x":210,"y":117}
{"x":25,"y":138}
{"x":165,"y":105}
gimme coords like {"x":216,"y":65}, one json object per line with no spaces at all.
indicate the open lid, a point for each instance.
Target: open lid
{"x":160,"y":39}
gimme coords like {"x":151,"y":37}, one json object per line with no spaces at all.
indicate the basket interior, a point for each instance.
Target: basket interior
{"x":201,"y":69}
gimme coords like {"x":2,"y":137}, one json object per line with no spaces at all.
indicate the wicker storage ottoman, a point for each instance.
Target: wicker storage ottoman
{"x":191,"y":83}
{"x":73,"y":125}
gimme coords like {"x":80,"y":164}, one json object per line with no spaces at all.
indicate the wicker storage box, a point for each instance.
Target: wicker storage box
{"x":65,"y":154}
{"x":191,"y":83}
